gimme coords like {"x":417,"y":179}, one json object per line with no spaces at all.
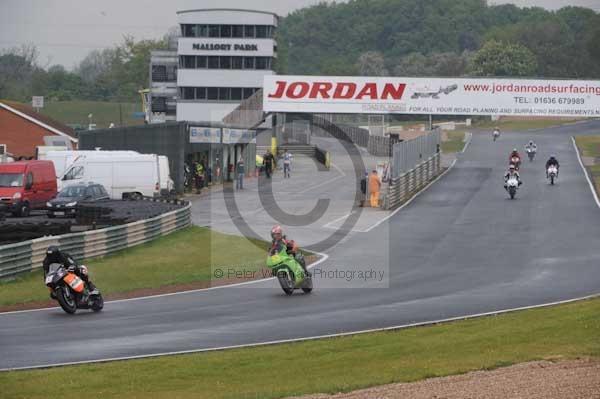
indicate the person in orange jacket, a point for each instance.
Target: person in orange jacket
{"x":374,"y":187}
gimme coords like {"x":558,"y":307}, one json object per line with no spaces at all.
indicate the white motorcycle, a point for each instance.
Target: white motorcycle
{"x":496,"y":134}
{"x":531,"y":153}
{"x":512,"y":185}
{"x":552,"y":173}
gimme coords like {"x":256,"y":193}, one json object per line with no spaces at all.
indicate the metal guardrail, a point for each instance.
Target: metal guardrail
{"x":409,"y":154}
{"x":29,"y":255}
{"x":403,"y":187}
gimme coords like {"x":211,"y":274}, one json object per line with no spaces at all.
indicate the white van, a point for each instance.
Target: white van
{"x":122,"y":175}
{"x":64,"y":159}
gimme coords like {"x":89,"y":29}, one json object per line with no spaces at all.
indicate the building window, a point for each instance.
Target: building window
{"x":159,"y":73}
{"x":248,"y":62}
{"x":200,"y":93}
{"x":188,"y":93}
{"x":249,"y":31}
{"x":236,"y":93}
{"x":248,"y":92}
{"x":171,"y":73}
{"x":206,"y":93}
{"x":237,"y":31}
{"x":212,"y":93}
{"x":225,"y":62}
{"x":214,"y":31}
{"x":223,"y":93}
{"x":261,"y":31}
{"x":202,"y":30}
{"x":159,"y":104}
{"x":187,"y":30}
{"x":262,"y":62}
{"x":213,"y":62}
{"x":225,"y":30}
{"x":237,"y":62}
{"x":201,"y":61}
{"x":189,"y":61}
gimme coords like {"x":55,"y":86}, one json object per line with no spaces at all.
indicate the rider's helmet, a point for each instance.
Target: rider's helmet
{"x":53,"y":253}
{"x":552,"y":156}
{"x":530,"y":142}
{"x":511,"y":167}
{"x":276,"y":232}
{"x":514,"y":150}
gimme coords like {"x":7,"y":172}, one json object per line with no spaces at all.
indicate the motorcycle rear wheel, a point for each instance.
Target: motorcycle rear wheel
{"x":66,"y":300}
{"x":307,"y":285}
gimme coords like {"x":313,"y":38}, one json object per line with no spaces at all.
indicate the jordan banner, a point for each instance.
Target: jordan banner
{"x":441,"y":96}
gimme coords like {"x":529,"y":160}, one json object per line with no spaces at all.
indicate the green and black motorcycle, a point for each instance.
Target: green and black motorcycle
{"x":289,"y":272}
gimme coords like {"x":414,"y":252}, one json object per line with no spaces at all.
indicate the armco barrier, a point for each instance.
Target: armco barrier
{"x":29,"y":255}
{"x":406,"y":185}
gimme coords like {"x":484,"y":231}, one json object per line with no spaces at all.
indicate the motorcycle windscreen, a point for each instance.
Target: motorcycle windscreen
{"x":74,"y":282}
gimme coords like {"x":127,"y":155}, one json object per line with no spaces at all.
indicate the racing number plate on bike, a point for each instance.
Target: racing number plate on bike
{"x":48,"y":279}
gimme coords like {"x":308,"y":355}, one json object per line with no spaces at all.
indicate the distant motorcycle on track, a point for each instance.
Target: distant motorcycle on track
{"x":552,"y":173}
{"x":495,"y":134}
{"x":512,"y":185}
{"x":531,"y":154}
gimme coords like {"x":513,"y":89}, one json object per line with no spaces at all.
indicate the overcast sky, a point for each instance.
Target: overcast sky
{"x":64,"y":31}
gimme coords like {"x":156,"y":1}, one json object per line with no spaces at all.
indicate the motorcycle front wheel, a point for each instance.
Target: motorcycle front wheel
{"x":98,"y":303}
{"x":552,"y":180}
{"x":286,"y":280}
{"x":66,"y":299}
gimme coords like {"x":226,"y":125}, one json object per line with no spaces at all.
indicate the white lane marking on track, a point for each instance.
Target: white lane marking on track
{"x":337,"y":220}
{"x":587,"y":176}
{"x":323,"y":258}
{"x":292,"y":340}
{"x":467,"y":142}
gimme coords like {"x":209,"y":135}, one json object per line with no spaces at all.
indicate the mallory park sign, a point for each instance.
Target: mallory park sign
{"x":442,"y":96}
{"x":224,"y":47}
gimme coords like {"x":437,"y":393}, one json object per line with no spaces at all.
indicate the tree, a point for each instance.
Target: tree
{"x":503,"y":59}
{"x":17,"y":66}
{"x":436,"y":64}
{"x":371,"y":63}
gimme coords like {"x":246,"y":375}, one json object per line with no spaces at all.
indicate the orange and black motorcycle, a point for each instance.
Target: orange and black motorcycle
{"x":70,"y":290}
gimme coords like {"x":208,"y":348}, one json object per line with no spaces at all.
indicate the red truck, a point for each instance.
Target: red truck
{"x":26,"y":185}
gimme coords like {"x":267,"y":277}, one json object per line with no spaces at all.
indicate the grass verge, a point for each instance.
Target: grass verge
{"x":331,"y":365}
{"x":455,"y":142}
{"x":103,"y":112}
{"x":589,"y":146}
{"x":186,"y":256}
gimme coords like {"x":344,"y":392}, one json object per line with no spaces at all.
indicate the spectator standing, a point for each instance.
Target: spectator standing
{"x":287,"y":163}
{"x":240,"y":171}
{"x":268,"y":161}
{"x":199,"y":172}
{"x":363,"y":189}
{"x":374,"y":187}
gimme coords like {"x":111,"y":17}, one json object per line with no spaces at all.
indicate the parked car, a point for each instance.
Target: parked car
{"x":65,"y":202}
{"x":123,"y":175}
{"x":27,"y":185}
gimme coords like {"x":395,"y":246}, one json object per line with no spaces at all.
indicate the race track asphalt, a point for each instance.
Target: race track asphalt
{"x":460,"y":248}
